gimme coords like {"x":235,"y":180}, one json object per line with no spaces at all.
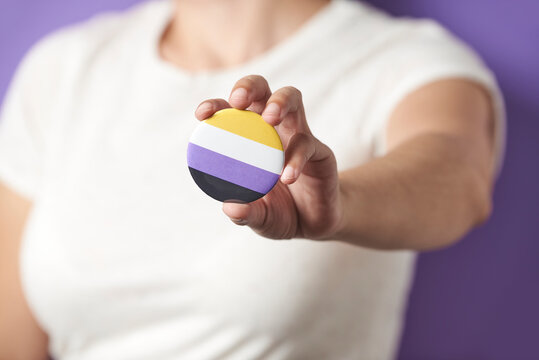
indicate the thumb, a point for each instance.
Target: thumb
{"x":251,"y":214}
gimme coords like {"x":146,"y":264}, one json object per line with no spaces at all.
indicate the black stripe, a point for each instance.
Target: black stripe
{"x":223,"y":190}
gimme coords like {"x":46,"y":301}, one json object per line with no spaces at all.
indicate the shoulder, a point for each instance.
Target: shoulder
{"x":56,"y":67}
{"x":401,"y":53}
{"x":396,"y":56}
{"x":363,"y":40}
{"x":406,"y":42}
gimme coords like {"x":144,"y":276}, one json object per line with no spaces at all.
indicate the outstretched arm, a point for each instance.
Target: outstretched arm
{"x":435,"y":182}
{"x":432,"y":186}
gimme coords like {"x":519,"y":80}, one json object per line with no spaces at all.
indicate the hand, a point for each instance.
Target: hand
{"x":306,"y":202}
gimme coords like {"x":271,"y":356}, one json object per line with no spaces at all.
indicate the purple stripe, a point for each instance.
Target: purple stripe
{"x":230,"y":169}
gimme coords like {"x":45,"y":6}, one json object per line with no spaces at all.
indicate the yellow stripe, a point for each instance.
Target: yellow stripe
{"x":247,"y":124}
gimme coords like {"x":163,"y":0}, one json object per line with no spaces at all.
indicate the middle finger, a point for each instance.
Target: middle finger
{"x":250,"y":92}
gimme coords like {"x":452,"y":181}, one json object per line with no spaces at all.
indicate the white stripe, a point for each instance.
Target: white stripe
{"x":239,"y":148}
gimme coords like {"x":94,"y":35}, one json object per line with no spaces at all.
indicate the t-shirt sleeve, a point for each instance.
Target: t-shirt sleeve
{"x":428,"y":53}
{"x":23,"y":121}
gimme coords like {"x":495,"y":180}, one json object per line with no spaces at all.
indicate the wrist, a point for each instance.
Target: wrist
{"x":340,"y":227}
{"x":343,"y":226}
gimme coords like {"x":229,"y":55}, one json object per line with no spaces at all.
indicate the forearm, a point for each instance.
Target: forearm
{"x":424,"y":194}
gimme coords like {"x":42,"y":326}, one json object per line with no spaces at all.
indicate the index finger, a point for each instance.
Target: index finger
{"x":208,"y":107}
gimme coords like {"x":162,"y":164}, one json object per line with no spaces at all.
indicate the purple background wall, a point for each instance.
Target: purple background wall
{"x":479,"y":299}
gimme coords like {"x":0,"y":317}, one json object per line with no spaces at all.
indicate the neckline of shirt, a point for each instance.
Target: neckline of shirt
{"x":310,"y":30}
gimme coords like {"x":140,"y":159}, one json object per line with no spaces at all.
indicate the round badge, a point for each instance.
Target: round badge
{"x":235,"y":156}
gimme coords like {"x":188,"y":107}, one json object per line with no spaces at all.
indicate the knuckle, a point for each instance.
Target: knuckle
{"x":215,"y":103}
{"x":257,"y":81}
{"x":245,"y":82}
{"x":279,"y":98}
{"x":293,"y":92}
{"x":310,"y":144}
{"x":289,"y":97}
{"x":255,"y":84}
{"x":302,"y":138}
{"x":257,"y":78}
{"x":205,"y":105}
{"x":303,"y":144}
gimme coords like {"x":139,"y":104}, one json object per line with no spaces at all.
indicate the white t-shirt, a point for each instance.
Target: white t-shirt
{"x":124,"y":257}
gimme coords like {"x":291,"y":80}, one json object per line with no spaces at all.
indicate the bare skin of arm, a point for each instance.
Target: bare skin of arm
{"x":20,"y":336}
{"x":436,"y":181}
{"x":432,"y":186}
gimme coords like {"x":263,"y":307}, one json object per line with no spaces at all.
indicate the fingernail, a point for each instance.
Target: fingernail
{"x":289,"y":173}
{"x":239,"y":221}
{"x":272,"y":110}
{"x":204,"y":107}
{"x":240,"y":94}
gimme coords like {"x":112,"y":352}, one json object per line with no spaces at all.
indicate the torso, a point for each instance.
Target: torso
{"x":125,"y":258}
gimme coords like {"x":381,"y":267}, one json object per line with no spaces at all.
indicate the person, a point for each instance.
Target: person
{"x":393,"y":134}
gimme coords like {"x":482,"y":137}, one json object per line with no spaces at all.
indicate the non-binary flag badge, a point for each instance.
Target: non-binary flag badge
{"x":235,"y":156}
